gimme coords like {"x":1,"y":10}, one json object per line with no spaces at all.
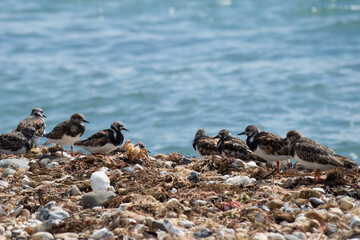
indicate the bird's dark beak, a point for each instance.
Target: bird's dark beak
{"x":216,"y":137}
{"x":243,"y":133}
{"x":125,"y":129}
{"x":44,"y":116}
{"x":86,"y":121}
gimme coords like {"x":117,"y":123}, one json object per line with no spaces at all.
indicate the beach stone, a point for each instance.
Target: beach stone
{"x":194,"y":176}
{"x":42,"y":236}
{"x":101,"y":234}
{"x":158,"y":225}
{"x":67,"y":236}
{"x":93,"y":199}
{"x":275,"y":203}
{"x":291,"y":237}
{"x":313,"y":214}
{"x":128,"y":169}
{"x":300,"y":202}
{"x":4,"y":184}
{"x":259,"y":236}
{"x":45,"y":161}
{"x":29,"y":229}
{"x":149,"y":221}
{"x":300,"y":235}
{"x":346,"y":205}
{"x":300,"y":217}
{"x":308,"y":193}
{"x":73,"y":191}
{"x":8,"y":172}
{"x":354,"y":222}
{"x":251,"y":164}
{"x":319,"y":190}
{"x":275,"y":236}
{"x":185,"y":223}
{"x":49,"y":205}
{"x":17,"y":163}
{"x":65,"y":155}
{"x":58,"y":215}
{"x":238,"y":164}
{"x":99,"y":181}
{"x":239,"y":180}
{"x":159,"y":163}
{"x":336,"y":211}
{"x":164,"y":173}
{"x":52,"y":165}
{"x":172,"y":203}
{"x":315,"y":202}
{"x":25,"y":213}
{"x":170,"y":228}
{"x":204,"y":233}
{"x":169,"y":164}
{"x":331,"y":228}
{"x":200,"y":203}
{"x":185,"y":161}
{"x":44,"y":215}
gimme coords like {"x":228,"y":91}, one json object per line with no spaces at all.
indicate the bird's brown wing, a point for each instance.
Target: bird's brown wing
{"x":98,"y":139}
{"x":58,"y":131}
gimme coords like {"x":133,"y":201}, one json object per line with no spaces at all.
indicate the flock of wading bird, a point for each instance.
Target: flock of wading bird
{"x":260,"y":146}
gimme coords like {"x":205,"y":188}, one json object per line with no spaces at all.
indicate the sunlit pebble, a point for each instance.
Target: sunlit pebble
{"x":171,"y":11}
{"x":314,"y":10}
{"x":353,"y":156}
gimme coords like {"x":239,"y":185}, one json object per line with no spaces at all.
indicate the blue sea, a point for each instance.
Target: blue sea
{"x":166,"y":68}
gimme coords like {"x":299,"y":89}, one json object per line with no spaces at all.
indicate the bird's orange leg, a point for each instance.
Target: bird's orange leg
{"x":72,"y":150}
{"x":278,"y":167}
{"x":317,"y":176}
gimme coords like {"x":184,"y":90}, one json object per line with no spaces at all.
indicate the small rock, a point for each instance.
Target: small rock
{"x":44,"y":215}
{"x":158,"y":225}
{"x":346,"y":205}
{"x":194,"y":176}
{"x":159,"y":163}
{"x":336,"y":211}
{"x":99,"y":182}
{"x":291,"y":237}
{"x":319,"y":190}
{"x":170,"y":228}
{"x":8,"y":172}
{"x":164,"y":173}
{"x":128,"y":169}
{"x":169,"y":164}
{"x":238,"y":164}
{"x":275,"y":203}
{"x":300,"y":201}
{"x":160,"y":156}
{"x":73,"y":191}
{"x":45,"y":161}
{"x":185,"y":161}
{"x":29,"y":229}
{"x":239,"y":180}
{"x":4,"y":184}
{"x":308,"y":193}
{"x":25,"y":213}
{"x":259,"y":236}
{"x":285,"y":216}
{"x":138,"y":167}
{"x":92,"y":199}
{"x":172,"y":203}
{"x":331,"y":228}
{"x":204,"y":233}
{"x":101,"y":234}
{"x":16,"y":211}
{"x":65,"y":155}
{"x":275,"y":236}
{"x":315,"y":202}
{"x":354,"y":222}
{"x":300,"y":217}
{"x":185,"y":223}
{"x":125,"y":206}
{"x":251,"y":164}
{"x":67,"y":236}
{"x":52,"y":165}
{"x":20,"y":163}
{"x":200,"y":203}
{"x":300,"y":235}
{"x":42,"y":236}
{"x":58,"y":215}
{"x":315,"y":215}
{"x":149,"y":221}
{"x":49,"y":205}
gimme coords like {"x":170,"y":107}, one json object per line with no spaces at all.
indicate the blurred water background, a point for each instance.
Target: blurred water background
{"x":166,"y":68}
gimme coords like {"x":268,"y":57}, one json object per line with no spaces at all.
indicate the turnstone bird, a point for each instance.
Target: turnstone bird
{"x":104,"y":141}
{"x":17,"y":142}
{"x":36,"y":121}
{"x":230,"y":146}
{"x":267,"y":145}
{"x":204,"y":144}
{"x":67,"y":132}
{"x":313,"y":155}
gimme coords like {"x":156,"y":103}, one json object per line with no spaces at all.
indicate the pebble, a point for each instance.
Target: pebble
{"x":65,"y":155}
{"x":172,"y":203}
{"x":204,"y":233}
{"x":149,"y":221}
{"x":58,"y":215}
{"x":45,"y":161}
{"x":291,"y":237}
{"x":275,"y":203}
{"x":185,"y":223}
{"x":315,"y":202}
{"x":169,"y":164}
{"x":164,"y":173}
{"x":19,"y":163}
{"x":239,"y":180}
{"x":275,"y":236}
{"x":49,"y":205}
{"x":354,"y":222}
{"x":67,"y":236}
{"x":4,"y":184}
{"x":128,"y":169}
{"x":25,"y":213}
{"x":159,"y":163}
{"x":238,"y":164}
{"x":200,"y":203}
{"x":336,"y":211}
{"x":185,"y":161}
{"x":259,"y":236}
{"x":300,"y":217}
{"x":138,"y":167}
{"x":8,"y":172}
{"x":92,"y":199}
{"x":44,"y":215}
{"x":331,"y":228}
{"x":319,"y":190}
{"x":194,"y":176}
{"x":170,"y":228}
{"x":99,"y":182}
{"x":315,"y":215}
{"x":251,"y":164}
{"x":346,"y":205}
{"x":308,"y":193}
{"x":42,"y":236}
{"x":158,"y":225}
{"x":73,"y":191}
{"x":52,"y":165}
{"x":300,"y":235}
{"x":101,"y":234}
